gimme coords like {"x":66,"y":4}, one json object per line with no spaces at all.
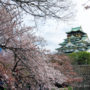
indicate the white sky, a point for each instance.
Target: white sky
{"x":53,"y":31}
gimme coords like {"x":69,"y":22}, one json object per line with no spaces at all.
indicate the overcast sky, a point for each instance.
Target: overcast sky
{"x":54,"y":31}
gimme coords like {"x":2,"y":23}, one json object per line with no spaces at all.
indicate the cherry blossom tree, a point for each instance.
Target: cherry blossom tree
{"x":27,"y":62}
{"x":42,"y":8}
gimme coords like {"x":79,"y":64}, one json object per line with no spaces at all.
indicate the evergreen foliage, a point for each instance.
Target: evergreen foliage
{"x":80,"y":58}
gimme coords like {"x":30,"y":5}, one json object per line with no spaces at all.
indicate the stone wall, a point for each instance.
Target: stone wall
{"x":83,"y":71}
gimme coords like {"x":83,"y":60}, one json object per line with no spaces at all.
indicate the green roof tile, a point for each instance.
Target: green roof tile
{"x":75,"y":29}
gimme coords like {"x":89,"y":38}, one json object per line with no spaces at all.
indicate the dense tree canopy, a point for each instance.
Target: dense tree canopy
{"x":80,"y":58}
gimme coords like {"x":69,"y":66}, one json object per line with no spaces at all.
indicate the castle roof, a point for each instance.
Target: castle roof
{"x":69,"y":44}
{"x":76,"y":41}
{"x":75,"y":30}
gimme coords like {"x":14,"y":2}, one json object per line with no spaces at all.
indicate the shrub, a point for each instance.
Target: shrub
{"x":69,"y":88}
{"x":80,"y":58}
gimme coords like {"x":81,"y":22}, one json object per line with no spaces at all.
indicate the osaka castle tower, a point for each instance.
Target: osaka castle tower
{"x":76,"y":41}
